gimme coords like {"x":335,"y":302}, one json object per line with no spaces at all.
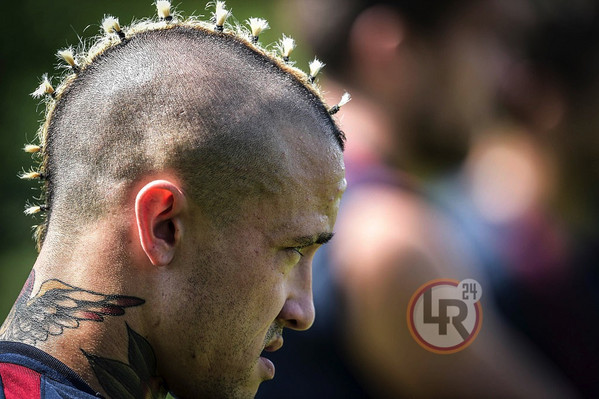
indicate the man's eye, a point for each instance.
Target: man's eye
{"x":297,"y":250}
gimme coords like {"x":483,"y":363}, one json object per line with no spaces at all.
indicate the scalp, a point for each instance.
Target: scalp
{"x":208,"y":107}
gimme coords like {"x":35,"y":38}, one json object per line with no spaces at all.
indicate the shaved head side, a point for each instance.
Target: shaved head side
{"x":201,"y":104}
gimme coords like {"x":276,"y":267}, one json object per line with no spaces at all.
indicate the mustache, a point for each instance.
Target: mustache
{"x":276,"y":329}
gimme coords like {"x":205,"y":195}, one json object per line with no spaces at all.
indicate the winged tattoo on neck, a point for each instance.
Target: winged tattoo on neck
{"x":57,"y":306}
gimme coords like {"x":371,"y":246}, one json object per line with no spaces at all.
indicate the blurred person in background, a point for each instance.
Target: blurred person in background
{"x":527,"y":194}
{"x":552,"y":250}
{"x":443,"y":91}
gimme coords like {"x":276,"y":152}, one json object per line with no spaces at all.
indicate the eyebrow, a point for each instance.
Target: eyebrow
{"x":306,"y":241}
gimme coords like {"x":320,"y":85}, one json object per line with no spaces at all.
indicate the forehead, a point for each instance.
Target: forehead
{"x":309,"y":185}
{"x":299,"y":146}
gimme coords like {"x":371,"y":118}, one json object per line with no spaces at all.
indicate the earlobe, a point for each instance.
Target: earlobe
{"x":158,"y":211}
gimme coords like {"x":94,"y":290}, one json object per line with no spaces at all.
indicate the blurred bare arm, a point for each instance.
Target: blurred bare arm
{"x":389,"y":243}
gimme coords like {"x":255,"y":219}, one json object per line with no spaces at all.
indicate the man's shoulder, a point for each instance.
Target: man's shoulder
{"x":29,"y":373}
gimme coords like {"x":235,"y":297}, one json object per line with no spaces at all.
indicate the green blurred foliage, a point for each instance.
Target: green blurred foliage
{"x":33,"y":31}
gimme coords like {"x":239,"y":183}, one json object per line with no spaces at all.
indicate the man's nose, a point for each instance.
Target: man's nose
{"x":298,"y":311}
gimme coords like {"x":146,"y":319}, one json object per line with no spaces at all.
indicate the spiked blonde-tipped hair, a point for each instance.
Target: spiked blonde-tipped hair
{"x":114,"y":35}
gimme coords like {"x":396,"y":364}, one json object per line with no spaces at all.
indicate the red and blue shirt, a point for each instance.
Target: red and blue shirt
{"x":29,"y":373}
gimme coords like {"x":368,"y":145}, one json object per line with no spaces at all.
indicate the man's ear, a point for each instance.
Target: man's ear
{"x":158,"y":208}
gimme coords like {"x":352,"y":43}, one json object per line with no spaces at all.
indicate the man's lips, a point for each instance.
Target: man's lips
{"x":269,"y":368}
{"x":275,"y":344}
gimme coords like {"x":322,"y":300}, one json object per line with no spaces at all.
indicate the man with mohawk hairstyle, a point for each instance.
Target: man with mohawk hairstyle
{"x":181,"y":218}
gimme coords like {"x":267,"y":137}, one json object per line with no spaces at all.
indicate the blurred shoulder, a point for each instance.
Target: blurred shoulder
{"x":385,"y":229}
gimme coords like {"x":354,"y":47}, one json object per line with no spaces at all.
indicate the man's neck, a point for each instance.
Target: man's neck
{"x":88,"y":322}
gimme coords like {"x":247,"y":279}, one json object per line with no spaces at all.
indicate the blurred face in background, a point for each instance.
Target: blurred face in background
{"x":437,"y":79}
{"x":448,"y":81}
